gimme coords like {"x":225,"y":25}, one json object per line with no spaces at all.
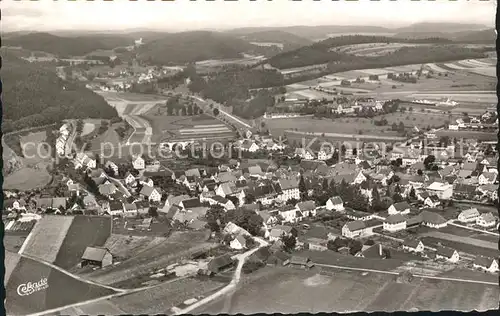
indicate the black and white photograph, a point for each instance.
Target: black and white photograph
{"x":240,"y":157}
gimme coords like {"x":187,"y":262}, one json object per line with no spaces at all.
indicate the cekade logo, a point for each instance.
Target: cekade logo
{"x":30,"y":287}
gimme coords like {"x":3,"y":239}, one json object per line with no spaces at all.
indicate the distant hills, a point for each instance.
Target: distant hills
{"x":163,"y":47}
{"x":277,"y":36}
{"x":66,"y":46}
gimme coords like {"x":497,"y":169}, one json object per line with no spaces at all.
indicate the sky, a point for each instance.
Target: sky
{"x":181,"y":15}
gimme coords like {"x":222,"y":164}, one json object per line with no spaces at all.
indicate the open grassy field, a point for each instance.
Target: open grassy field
{"x":62,"y":289}
{"x":13,"y":242}
{"x":483,"y":136}
{"x":355,"y":125}
{"x":178,"y":245}
{"x":124,"y":246}
{"x":84,"y":231}
{"x":288,"y":290}
{"x":27,"y":179}
{"x":157,"y":300}
{"x":11,"y":261}
{"x":461,"y":244}
{"x":373,"y":49}
{"x":47,"y":237}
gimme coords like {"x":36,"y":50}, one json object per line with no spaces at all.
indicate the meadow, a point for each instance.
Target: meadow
{"x":289,"y":290}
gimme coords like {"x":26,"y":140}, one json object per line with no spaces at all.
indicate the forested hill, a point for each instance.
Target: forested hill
{"x":66,"y":46}
{"x":34,"y":96}
{"x":194,"y":46}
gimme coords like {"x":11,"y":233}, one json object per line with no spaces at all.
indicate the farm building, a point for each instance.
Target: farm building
{"x":94,"y":256}
{"x":238,"y":243}
{"x":432,"y":201}
{"x":413,"y":245}
{"x":359,"y":228}
{"x":151,"y":193}
{"x":487,"y":264}
{"x":448,"y":254}
{"x":469,"y":215}
{"x":301,"y":262}
{"x":218,"y":264}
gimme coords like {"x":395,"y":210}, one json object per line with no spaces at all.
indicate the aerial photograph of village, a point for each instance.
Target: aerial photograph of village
{"x":169,"y":158}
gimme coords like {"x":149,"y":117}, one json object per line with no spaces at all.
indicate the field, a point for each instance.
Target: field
{"x":124,"y":246}
{"x":484,"y":136}
{"x":353,"y":126}
{"x":463,"y":244}
{"x":48,"y":236}
{"x":13,"y":242}
{"x":11,"y":261}
{"x":178,"y":245}
{"x":62,"y":289}
{"x":167,"y":128}
{"x":157,"y":300}
{"x":131,"y":227}
{"x":373,"y":49}
{"x":84,"y":231}
{"x":288,"y":290}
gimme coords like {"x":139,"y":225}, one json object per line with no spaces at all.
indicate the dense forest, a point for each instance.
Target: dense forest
{"x":324,"y":52}
{"x":66,"y":46}
{"x":35,"y":96}
{"x":197,"y":46}
{"x":233,"y":88}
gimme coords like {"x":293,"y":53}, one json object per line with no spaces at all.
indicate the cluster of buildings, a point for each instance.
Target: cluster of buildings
{"x":487,"y":120}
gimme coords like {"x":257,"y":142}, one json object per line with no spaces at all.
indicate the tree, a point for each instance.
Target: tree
{"x":429,"y":161}
{"x":153,"y":211}
{"x":215,"y":217}
{"x":216,"y":111}
{"x":289,"y":242}
{"x":412,"y":194}
{"x":189,"y":109}
{"x":355,"y":247}
{"x":302,"y":187}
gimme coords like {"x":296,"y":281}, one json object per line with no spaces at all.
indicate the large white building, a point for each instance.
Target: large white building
{"x":443,"y":191}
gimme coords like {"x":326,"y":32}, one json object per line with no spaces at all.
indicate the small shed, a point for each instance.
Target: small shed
{"x":96,"y":256}
{"x":219,"y":264}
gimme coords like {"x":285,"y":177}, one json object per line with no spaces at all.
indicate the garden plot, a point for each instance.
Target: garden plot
{"x":87,"y":129}
{"x":47,"y":237}
{"x":435,"y":68}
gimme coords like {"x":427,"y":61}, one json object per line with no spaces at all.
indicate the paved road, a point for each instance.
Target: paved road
{"x":120,"y":185}
{"x":234,"y":118}
{"x":231,"y":286}
{"x":71,"y":138}
{"x":453,"y":222}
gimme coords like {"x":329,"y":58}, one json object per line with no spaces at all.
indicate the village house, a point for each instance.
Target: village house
{"x":448,"y":254}
{"x":115,"y":208}
{"x":432,"y":201}
{"x":281,"y":230}
{"x":375,"y":252}
{"x":413,"y":245}
{"x":96,"y":256}
{"x":356,"y":229}
{"x":130,"y":209}
{"x":151,"y":193}
{"x":486,"y":220}
{"x":226,"y":189}
{"x":307,"y":208}
{"x":289,"y":190}
{"x":249,"y":146}
{"x":399,"y":208}
{"x":469,"y":215}
{"x":138,"y":162}
{"x":290,"y":214}
{"x":304,"y":153}
{"x":433,"y":220}
{"x":225,"y":203}
{"x":335,"y":203}
{"x":487,"y":178}
{"x":394,"y":223}
{"x":146,"y":181}
{"x":443,"y":191}
{"x":173,"y":200}
{"x":238,"y":243}
{"x":486,"y":264}
{"x":129,"y":179}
